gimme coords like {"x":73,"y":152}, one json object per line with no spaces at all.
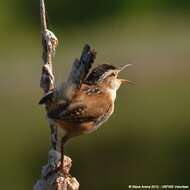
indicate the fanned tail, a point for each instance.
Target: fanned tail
{"x":81,"y":67}
{"x":79,"y":71}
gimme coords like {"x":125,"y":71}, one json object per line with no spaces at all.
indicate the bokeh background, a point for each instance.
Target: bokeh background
{"x":147,"y":139}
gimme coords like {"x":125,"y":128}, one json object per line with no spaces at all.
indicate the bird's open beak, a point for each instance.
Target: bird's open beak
{"x":121,"y":68}
{"x":124,"y":81}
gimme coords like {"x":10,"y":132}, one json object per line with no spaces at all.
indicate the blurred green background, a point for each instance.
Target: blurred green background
{"x":147,"y":139}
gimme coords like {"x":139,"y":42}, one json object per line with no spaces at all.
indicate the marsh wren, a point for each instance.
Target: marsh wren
{"x":91,"y":100}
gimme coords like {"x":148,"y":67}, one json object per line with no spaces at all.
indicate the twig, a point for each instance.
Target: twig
{"x":43,"y":15}
{"x":51,"y":177}
{"x":49,"y":44}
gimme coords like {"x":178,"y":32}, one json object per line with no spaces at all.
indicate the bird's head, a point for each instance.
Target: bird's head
{"x":107,"y":76}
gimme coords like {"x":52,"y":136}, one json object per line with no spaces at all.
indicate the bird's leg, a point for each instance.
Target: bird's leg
{"x":63,"y":142}
{"x":53,"y":128}
{"x":62,"y":153}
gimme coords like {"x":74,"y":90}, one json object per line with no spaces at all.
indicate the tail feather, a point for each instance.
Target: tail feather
{"x":79,"y":71}
{"x":81,"y":67}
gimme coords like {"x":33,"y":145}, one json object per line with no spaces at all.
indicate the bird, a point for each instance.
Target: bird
{"x":86,"y":99}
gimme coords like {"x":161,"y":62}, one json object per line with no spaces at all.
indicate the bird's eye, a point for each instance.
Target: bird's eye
{"x":112,"y":75}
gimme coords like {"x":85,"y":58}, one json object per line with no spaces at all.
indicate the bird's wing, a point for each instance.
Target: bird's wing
{"x":84,"y":108}
{"x":78,"y":114}
{"x":78,"y":73}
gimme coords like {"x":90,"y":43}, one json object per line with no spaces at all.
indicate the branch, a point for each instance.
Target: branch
{"x":52,"y":176}
{"x":49,"y":44}
{"x":43,"y":15}
{"x":52,"y":179}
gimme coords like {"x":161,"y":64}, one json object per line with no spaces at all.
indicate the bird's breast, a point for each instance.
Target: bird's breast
{"x":112,"y":94}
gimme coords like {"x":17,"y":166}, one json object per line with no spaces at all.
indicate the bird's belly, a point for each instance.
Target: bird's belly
{"x":76,"y":129}
{"x":102,"y":119}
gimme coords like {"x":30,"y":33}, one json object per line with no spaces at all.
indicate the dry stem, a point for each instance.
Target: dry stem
{"x":52,"y":177}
